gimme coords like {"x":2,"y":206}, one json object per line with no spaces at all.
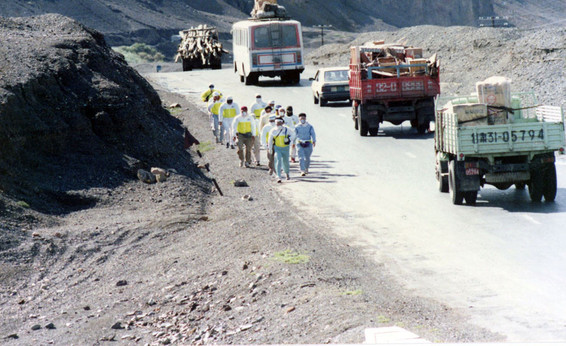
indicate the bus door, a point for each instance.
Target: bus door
{"x":276,"y":36}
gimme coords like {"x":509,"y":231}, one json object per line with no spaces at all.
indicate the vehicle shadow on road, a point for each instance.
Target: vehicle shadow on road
{"x":337,"y":104}
{"x":403,"y":132}
{"x":518,"y":201}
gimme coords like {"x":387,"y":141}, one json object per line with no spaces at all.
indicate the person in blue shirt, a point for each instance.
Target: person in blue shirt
{"x":306,"y":141}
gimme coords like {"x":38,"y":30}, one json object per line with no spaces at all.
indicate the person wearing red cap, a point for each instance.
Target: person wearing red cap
{"x":244,"y":129}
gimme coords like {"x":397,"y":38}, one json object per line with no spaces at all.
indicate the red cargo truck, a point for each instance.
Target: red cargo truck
{"x":392,"y":82}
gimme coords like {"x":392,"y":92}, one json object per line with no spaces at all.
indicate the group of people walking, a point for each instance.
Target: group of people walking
{"x":277,"y":129}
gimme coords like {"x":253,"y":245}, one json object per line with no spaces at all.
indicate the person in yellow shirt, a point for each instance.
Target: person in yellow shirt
{"x":226,"y":114}
{"x":244,"y":129}
{"x":213,"y":110}
{"x":279,"y":140}
{"x":205,"y":96}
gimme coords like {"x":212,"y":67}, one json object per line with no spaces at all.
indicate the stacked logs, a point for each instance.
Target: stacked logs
{"x":200,"y":48}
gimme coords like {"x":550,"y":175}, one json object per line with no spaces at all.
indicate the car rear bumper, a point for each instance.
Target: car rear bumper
{"x":336,"y":95}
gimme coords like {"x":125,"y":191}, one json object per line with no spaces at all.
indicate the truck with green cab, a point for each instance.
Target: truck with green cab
{"x":520,"y":151}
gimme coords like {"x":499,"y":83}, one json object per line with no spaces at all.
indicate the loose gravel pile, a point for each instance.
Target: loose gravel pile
{"x":533,"y":59}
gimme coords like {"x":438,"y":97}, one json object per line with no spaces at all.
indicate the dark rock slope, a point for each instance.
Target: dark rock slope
{"x":74,"y":116}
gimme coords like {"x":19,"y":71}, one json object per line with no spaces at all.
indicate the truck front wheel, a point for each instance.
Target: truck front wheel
{"x":456,"y":195}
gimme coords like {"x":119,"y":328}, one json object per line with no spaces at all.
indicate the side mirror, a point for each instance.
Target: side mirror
{"x":311,"y":78}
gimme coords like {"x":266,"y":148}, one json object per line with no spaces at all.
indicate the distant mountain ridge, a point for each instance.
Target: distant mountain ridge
{"x":153,"y":21}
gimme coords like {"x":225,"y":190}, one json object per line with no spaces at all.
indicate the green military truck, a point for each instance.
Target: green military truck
{"x":474,"y":148}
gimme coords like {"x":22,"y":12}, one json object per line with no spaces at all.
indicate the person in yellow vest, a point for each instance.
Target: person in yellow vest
{"x":226,"y":115}
{"x":244,"y":129}
{"x":258,"y":106}
{"x":213,"y":109}
{"x":205,"y":96}
{"x":264,"y":138}
{"x":280,"y":138}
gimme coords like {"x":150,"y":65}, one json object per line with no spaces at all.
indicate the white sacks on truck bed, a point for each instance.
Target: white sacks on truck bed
{"x":496,"y":93}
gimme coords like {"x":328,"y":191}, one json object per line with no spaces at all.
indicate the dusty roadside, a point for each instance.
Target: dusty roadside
{"x":165,"y":263}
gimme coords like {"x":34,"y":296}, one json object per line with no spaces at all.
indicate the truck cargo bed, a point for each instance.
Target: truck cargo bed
{"x":504,"y":140}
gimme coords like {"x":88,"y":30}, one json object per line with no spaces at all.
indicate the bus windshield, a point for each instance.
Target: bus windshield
{"x":275,"y":36}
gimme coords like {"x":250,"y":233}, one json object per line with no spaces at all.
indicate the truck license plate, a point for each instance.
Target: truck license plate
{"x":472,"y":171}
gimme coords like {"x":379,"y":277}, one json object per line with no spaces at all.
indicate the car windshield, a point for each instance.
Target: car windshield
{"x":336,"y":76}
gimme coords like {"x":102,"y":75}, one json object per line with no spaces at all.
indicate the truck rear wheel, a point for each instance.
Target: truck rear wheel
{"x":471,"y":197}
{"x":187,"y":65}
{"x":549,"y":190}
{"x":422,"y":128}
{"x":441,"y":178}
{"x":362,"y":124}
{"x":456,"y":195}
{"x":373,"y":131}
{"x":536,"y":185}
{"x":354,"y":115}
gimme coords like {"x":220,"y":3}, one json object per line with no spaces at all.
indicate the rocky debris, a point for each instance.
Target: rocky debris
{"x":12,"y":336}
{"x":161,"y":174}
{"x":247,"y":198}
{"x":50,"y":326}
{"x":240,"y":183}
{"x":175,"y":105}
{"x":146,"y":177}
{"x":117,"y":325}
{"x":36,"y":327}
{"x":121,"y":283}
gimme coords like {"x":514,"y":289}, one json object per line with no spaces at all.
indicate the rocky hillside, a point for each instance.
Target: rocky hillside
{"x":128,"y":21}
{"x":73,"y":116}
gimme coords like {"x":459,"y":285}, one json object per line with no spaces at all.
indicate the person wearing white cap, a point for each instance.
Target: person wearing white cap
{"x":226,"y":114}
{"x":291,"y":120}
{"x":205,"y":96}
{"x":280,"y":137}
{"x":213,"y":110}
{"x":257,"y":107}
{"x":243,"y":127}
{"x":264,"y":138}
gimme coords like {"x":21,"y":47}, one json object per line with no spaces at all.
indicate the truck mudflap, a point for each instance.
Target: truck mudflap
{"x":468,"y":175}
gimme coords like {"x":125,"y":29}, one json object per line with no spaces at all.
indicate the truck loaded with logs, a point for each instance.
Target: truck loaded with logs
{"x":200,"y":48}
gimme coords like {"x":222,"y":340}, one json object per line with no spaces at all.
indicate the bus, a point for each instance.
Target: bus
{"x":268,"y":47}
